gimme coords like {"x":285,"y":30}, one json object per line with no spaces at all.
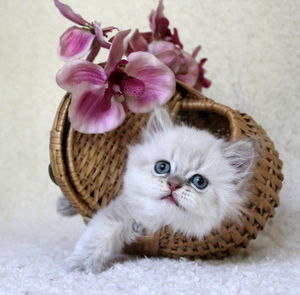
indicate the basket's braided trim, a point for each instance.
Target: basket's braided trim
{"x":89,"y":170}
{"x":57,"y":158}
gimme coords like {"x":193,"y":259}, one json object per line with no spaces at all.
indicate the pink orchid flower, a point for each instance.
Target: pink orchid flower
{"x":201,"y":80}
{"x":86,"y":40}
{"x":170,"y":54}
{"x":159,"y":25}
{"x":179,"y":61}
{"x":100,"y":95}
{"x":168,"y":48}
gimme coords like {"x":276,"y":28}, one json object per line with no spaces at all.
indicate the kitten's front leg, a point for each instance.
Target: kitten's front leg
{"x":105,"y":236}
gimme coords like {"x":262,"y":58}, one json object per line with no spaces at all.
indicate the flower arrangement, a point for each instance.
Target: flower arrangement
{"x":140,"y":72}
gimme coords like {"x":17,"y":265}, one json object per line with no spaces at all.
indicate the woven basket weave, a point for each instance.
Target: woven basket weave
{"x":89,"y":168}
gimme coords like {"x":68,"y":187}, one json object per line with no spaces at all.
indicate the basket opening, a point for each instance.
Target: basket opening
{"x":213,"y":122}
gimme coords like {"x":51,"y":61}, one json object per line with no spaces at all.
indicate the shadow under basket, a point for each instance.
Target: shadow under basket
{"x":89,"y":170}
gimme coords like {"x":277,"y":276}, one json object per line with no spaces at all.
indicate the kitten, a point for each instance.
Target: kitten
{"x":178,"y":176}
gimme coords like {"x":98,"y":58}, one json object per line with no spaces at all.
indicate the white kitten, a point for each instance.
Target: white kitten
{"x":178,"y":176}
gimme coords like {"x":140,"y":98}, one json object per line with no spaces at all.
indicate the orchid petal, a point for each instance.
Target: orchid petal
{"x":100,"y":37}
{"x":75,"y":43}
{"x":170,"y":59}
{"x":163,"y":28}
{"x":109,"y":29}
{"x":175,"y":38}
{"x":91,"y":111}
{"x":147,"y":36}
{"x":95,"y":48}
{"x":202,"y":81}
{"x":169,"y":54}
{"x":152,"y":17}
{"x":196,"y":51}
{"x":157,"y":47}
{"x":68,"y":13}
{"x":191,"y":76}
{"x":158,"y":79}
{"x":159,"y":24}
{"x":132,"y":87}
{"x":156,"y":15}
{"x":117,"y":50}
{"x":76,"y":72}
{"x":137,"y":42}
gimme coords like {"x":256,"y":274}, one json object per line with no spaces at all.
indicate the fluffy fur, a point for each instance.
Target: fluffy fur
{"x":143,"y":203}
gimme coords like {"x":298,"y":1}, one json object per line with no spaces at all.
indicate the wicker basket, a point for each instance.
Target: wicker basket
{"x":89,"y":168}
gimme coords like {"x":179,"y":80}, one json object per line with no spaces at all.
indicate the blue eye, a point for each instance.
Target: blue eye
{"x":162,"y":167}
{"x":199,"y":181}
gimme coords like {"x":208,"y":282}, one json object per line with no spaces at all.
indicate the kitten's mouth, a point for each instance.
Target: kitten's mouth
{"x":171,"y":199}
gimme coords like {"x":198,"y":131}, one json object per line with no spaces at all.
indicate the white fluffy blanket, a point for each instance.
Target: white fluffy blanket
{"x":253,"y":51}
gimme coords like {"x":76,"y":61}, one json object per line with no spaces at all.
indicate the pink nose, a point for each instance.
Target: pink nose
{"x":174,"y":185}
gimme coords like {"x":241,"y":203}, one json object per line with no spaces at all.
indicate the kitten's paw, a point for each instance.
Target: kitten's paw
{"x":85,"y":263}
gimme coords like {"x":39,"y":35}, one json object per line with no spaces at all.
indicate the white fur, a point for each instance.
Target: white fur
{"x":190,"y":151}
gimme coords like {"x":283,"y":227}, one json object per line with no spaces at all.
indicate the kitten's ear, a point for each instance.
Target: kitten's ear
{"x":159,"y":120}
{"x":241,"y":155}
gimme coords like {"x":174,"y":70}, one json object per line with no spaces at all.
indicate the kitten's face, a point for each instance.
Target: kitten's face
{"x":185,"y":172}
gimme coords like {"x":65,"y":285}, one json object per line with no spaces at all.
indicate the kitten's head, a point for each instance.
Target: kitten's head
{"x":188,"y":177}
